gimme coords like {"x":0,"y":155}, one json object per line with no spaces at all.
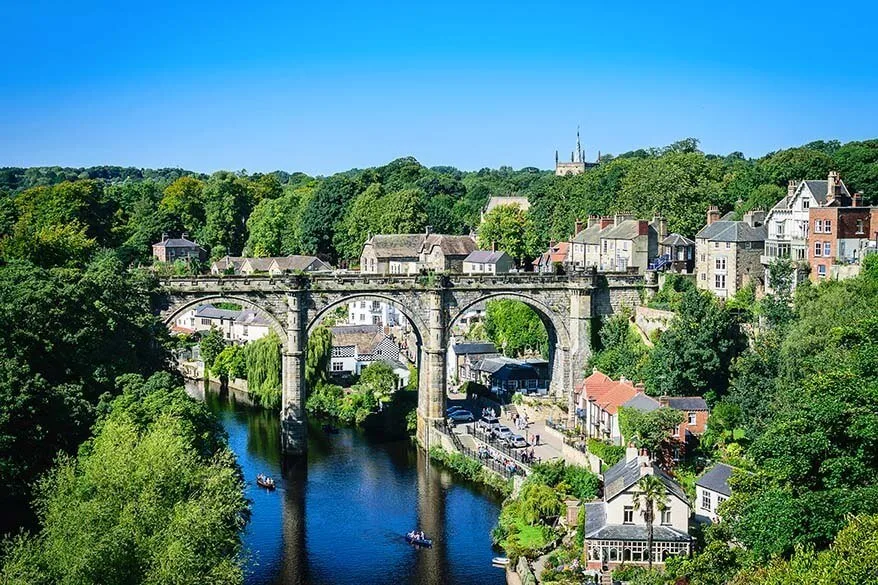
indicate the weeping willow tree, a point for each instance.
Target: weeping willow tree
{"x":317,"y":360}
{"x":264,"y":370}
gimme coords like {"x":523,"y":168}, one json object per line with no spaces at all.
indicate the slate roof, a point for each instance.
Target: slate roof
{"x":626,"y":230}
{"x":397,"y":245}
{"x":227,"y":262}
{"x":732,"y":231}
{"x":492,"y":365}
{"x":507,"y":200}
{"x":297,"y":262}
{"x":643,"y":402}
{"x":475,"y":347}
{"x":176,"y":243}
{"x":687,"y":403}
{"x":450,"y":245}
{"x":250,"y":317}
{"x":595,"y":516}
{"x":677,"y":240}
{"x":259,"y":264}
{"x":626,"y":473}
{"x":211,"y":312}
{"x":590,"y":235}
{"x":364,"y":337}
{"x":484,"y":257}
{"x":716,"y":479}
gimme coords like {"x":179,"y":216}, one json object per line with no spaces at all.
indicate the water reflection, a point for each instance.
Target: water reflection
{"x":339,"y":516}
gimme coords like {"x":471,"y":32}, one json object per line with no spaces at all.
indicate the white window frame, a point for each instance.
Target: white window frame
{"x":693,"y":419}
{"x":827,"y":249}
{"x":706,"y":501}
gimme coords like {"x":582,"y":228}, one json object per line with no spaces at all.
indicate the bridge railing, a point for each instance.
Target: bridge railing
{"x":507,"y":470}
{"x":519,"y":455}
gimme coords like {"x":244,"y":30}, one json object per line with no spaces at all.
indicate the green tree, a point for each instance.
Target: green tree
{"x":323,"y":213}
{"x":378,"y":379}
{"x":649,"y":430}
{"x":184,"y":202}
{"x":510,"y":228}
{"x":515,"y":328}
{"x":230,"y":363}
{"x":263,"y":366}
{"x":211,"y":345}
{"x":317,"y":359}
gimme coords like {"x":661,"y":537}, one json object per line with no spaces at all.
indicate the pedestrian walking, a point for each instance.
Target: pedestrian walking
{"x":536,"y":439}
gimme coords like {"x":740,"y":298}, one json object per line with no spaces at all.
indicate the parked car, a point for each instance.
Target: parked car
{"x":502,"y":432}
{"x":461,"y":416}
{"x":451,"y":409}
{"x":488,"y":423}
{"x":516,"y":441}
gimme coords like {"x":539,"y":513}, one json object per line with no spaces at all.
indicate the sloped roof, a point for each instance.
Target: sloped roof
{"x":626,"y":230}
{"x":556,"y":253}
{"x":626,"y":473}
{"x":595,"y":516}
{"x":250,"y":317}
{"x":474,"y":347}
{"x":176,"y":243}
{"x":643,"y":403}
{"x":687,"y":403}
{"x":676,"y":239}
{"x":494,"y":364}
{"x":589,"y":235}
{"x":211,"y":312}
{"x":637,"y":532}
{"x":450,"y":245}
{"x":716,"y":479}
{"x":493,"y":202}
{"x":820,"y":190}
{"x":259,"y":264}
{"x":298,"y":262}
{"x":606,"y":392}
{"x":397,"y":245}
{"x":484,"y":257}
{"x":363,"y":337}
{"x":227,"y":262}
{"x":732,"y":231}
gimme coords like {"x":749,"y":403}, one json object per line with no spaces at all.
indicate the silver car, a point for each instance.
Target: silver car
{"x":461,"y":416}
{"x":501,"y":433}
{"x":488,"y":423}
{"x":516,"y":441}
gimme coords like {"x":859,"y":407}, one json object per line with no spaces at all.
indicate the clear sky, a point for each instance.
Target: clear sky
{"x":327,"y":86}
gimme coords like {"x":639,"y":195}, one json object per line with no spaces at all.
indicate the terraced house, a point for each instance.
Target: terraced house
{"x":412,"y":253}
{"x":728,"y":252}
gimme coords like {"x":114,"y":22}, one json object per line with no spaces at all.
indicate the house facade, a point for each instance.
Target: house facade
{"x":354,"y":347}
{"x":483,"y":262}
{"x":411,"y":253}
{"x":616,"y":533}
{"x":463,"y":356}
{"x":695,"y":415}
{"x":373,"y":313}
{"x":619,"y":243}
{"x":728,"y":253}
{"x":598,"y":398}
{"x":504,"y":375}
{"x":841,"y":232}
{"x":173,"y":249}
{"x":711,"y":490}
{"x":235,"y":325}
{"x":227,"y":265}
{"x":677,"y":255}
{"x":552,"y":260}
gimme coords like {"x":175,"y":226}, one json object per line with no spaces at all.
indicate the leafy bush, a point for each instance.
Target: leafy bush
{"x":609,"y":454}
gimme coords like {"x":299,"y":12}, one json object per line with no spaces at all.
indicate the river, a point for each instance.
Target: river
{"x":339,"y":515}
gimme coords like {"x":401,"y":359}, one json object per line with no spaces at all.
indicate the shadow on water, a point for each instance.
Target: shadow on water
{"x":340,"y":514}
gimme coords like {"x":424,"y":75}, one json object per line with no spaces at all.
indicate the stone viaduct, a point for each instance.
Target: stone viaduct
{"x":294,"y":305}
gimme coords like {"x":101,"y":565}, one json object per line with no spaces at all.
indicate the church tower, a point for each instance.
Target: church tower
{"x":577,"y":164}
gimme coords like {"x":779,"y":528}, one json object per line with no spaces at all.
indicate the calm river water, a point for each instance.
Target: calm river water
{"x":340,"y":516}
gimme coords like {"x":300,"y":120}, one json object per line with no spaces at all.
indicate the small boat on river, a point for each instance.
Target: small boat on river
{"x":265,"y":482}
{"x":418,"y":539}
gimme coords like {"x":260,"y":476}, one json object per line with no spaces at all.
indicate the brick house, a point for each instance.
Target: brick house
{"x":728,"y":252}
{"x":695,"y":412}
{"x":841,"y":232}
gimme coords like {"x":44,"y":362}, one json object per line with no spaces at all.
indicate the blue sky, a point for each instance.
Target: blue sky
{"x":326,"y":86}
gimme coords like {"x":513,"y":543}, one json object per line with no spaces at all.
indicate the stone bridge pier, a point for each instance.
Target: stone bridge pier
{"x":294,"y":305}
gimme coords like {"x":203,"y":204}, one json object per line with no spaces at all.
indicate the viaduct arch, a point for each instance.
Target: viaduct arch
{"x":294,"y":305}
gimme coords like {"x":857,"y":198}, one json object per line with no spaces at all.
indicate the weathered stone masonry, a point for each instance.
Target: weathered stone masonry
{"x":294,"y":305}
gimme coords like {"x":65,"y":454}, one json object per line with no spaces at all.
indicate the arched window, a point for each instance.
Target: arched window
{"x":626,"y":554}
{"x":614,"y":554}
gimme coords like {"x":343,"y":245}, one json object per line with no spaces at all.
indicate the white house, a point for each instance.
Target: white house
{"x":356,"y":346}
{"x":206,"y":317}
{"x":373,"y":312}
{"x":249,"y":325}
{"x":615,"y":532}
{"x":487,"y":262}
{"x":711,"y":490}
{"x":788,"y":221}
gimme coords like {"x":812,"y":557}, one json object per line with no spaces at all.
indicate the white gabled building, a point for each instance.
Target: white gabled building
{"x":711,"y":490}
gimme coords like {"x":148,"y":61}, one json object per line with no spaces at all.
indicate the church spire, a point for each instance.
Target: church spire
{"x":578,"y":147}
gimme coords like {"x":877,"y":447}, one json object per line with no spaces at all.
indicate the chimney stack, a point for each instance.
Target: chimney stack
{"x":857,"y":200}
{"x":184,"y":235}
{"x":494,"y":246}
{"x":606,"y":221}
{"x":833,"y":186}
{"x":663,"y":401}
{"x":165,"y":236}
{"x":791,"y":188}
{"x":631,"y":452}
{"x":577,"y":227}
{"x":712,"y":214}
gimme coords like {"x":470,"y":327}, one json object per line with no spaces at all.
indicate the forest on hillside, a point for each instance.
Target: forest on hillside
{"x":53,"y":212}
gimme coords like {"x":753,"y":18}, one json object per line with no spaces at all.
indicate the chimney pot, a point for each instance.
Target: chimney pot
{"x":493,"y":246}
{"x":577,"y":227}
{"x":712,"y":214}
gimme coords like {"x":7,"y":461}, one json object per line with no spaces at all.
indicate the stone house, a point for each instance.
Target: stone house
{"x":173,"y":249}
{"x":227,"y":265}
{"x":711,"y":490}
{"x":585,"y":245}
{"x":788,"y":222}
{"x":619,"y":243}
{"x":616,"y":533}
{"x":487,"y":262}
{"x":296,"y":263}
{"x":728,"y":252}
{"x":411,"y":253}
{"x":462,"y":358}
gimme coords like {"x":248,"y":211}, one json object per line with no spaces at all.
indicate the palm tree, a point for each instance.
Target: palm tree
{"x":651,"y":497}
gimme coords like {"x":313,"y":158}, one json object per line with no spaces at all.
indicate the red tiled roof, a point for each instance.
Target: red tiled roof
{"x":606,"y":392}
